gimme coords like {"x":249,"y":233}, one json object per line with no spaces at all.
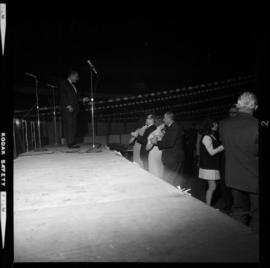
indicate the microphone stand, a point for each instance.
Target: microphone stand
{"x":54,"y":114}
{"x":94,"y":146}
{"x":38,"y":118}
{"x":14,"y":142}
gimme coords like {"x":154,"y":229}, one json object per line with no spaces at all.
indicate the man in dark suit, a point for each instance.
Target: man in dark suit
{"x":69,"y":103}
{"x":239,"y":136}
{"x":150,"y":127}
{"x":226,"y":193}
{"x":172,"y":149}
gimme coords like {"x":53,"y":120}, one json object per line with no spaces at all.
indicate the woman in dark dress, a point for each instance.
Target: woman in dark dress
{"x":209,"y":164}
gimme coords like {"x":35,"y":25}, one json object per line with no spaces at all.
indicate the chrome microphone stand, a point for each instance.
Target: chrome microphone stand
{"x":54,"y":113}
{"x":94,"y":146}
{"x":38,"y":117}
{"x":92,"y":111}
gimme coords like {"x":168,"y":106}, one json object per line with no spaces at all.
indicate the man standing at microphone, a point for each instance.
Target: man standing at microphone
{"x":69,"y":103}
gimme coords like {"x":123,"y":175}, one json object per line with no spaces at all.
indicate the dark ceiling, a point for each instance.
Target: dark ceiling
{"x":132,"y":54}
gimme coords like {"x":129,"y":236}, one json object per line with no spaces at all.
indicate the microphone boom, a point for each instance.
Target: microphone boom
{"x":52,"y":86}
{"x":32,"y":75}
{"x":92,"y":66}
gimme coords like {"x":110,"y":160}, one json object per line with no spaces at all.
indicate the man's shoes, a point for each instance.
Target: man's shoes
{"x":73,"y":146}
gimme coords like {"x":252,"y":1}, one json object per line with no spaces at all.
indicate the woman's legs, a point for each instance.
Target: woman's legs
{"x":210,"y":192}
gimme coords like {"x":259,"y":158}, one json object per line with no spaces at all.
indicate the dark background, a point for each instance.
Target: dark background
{"x":132,"y":54}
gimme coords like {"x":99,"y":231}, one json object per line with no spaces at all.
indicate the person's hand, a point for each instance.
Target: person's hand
{"x":85,"y":99}
{"x":70,"y":108}
{"x":220,"y":148}
{"x":154,"y":140}
{"x":134,"y":134}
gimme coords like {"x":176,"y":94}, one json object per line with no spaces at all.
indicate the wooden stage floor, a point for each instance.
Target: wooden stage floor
{"x":100,"y":207}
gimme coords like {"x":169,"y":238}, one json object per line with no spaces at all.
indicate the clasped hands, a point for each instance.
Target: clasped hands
{"x":70,"y":108}
{"x":154,"y":140}
{"x":134,"y":134}
{"x":85,"y":99}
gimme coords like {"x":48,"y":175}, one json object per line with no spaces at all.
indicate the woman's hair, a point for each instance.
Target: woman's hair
{"x":206,"y":126}
{"x":158,"y":119}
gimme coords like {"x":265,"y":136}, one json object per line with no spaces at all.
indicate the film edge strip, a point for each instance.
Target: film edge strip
{"x":3,"y":192}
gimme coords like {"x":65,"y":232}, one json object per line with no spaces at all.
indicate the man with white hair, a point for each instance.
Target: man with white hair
{"x":239,"y":136}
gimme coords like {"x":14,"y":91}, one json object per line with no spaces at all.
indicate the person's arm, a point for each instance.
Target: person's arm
{"x":131,"y":140}
{"x":149,"y":144}
{"x":65,"y":96}
{"x":134,"y":136}
{"x":144,"y":139}
{"x":207,"y":142}
{"x":198,"y":140}
{"x":169,"y":139}
{"x":135,"y":133}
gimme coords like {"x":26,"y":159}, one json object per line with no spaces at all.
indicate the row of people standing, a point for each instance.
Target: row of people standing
{"x":239,"y":141}
{"x":160,"y":143}
{"x":227,"y":151}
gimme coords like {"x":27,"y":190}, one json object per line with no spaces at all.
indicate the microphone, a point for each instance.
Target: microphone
{"x":32,"y":75}
{"x":92,"y":66}
{"x":52,"y":86}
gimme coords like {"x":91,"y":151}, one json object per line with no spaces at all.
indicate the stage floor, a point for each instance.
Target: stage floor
{"x":100,"y":207}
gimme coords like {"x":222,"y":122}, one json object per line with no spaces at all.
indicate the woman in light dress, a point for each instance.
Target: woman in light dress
{"x":137,"y":146}
{"x":209,"y":163}
{"x":154,"y":157}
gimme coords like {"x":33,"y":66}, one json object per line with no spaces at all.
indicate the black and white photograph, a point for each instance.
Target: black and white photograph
{"x":133,"y":138}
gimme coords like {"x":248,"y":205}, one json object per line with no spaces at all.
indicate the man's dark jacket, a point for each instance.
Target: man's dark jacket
{"x":171,"y":145}
{"x":68,"y":96}
{"x":239,"y":136}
